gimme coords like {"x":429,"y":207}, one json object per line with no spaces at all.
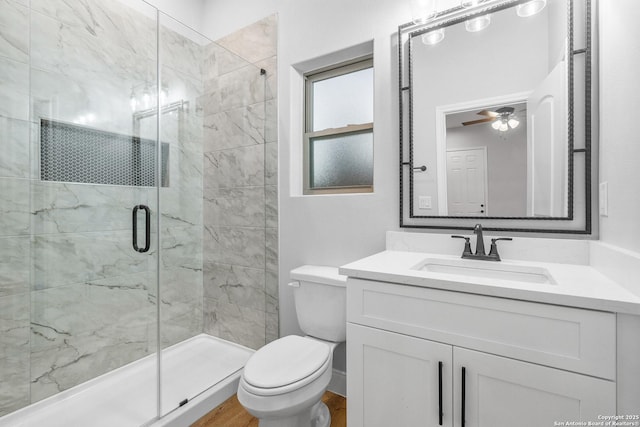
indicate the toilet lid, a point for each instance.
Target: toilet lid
{"x":285,"y":361}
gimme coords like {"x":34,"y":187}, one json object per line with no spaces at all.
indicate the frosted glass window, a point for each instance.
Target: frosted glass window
{"x":343,"y":100}
{"x":342,"y":160}
{"x":338,"y":139}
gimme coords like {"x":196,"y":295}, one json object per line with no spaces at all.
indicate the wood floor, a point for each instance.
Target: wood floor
{"x":231,"y":413}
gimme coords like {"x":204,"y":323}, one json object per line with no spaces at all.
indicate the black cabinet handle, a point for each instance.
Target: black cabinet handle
{"x":464,"y":392}
{"x":440,"y":414}
{"x":147,"y":228}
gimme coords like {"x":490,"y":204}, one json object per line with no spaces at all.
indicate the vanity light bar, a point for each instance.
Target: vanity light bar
{"x":473,"y":10}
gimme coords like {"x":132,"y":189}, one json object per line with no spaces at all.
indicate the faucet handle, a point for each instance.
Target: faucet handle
{"x":493,"y":252}
{"x":467,"y":244}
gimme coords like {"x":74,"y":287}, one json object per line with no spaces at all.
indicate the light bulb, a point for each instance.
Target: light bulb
{"x":477,"y":24}
{"x":530,"y":8}
{"x":470,"y":3}
{"x":433,"y":37}
{"x":503,"y":127}
{"x":496,"y":124}
{"x":146,"y":98}
{"x":422,"y":10}
{"x":513,"y":123}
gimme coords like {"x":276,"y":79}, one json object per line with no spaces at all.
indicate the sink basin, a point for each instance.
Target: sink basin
{"x":487,"y":270}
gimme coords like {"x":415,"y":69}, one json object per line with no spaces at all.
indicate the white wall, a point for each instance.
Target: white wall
{"x":619,"y":109}
{"x":222,"y":17}
{"x":189,"y":12}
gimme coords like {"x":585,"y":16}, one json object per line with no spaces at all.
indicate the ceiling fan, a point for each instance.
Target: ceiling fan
{"x":503,"y":119}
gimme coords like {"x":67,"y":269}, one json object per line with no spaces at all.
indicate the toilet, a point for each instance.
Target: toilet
{"x":283,"y":382}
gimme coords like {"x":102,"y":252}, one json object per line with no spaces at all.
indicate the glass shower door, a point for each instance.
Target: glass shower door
{"x":118,"y":194}
{"x":180,"y":284}
{"x":91,"y":201}
{"x":212,"y":212}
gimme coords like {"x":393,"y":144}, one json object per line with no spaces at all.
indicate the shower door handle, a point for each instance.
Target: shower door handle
{"x":147,"y":228}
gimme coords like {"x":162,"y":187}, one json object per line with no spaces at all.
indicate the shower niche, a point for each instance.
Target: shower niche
{"x":73,"y":153}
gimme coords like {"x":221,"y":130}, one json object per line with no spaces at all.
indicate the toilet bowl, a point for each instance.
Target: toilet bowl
{"x":283,"y":382}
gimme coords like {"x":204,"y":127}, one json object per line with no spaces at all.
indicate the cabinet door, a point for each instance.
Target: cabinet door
{"x":501,"y":392}
{"x":397,"y":380}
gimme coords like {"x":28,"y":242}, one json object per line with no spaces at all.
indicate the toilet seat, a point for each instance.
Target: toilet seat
{"x":286,"y":364}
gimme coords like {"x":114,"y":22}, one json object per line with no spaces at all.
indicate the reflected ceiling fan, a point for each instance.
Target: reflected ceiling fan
{"x":502,"y":119}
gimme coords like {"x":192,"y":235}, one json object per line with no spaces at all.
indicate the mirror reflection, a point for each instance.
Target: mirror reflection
{"x":490,"y":115}
{"x":471,"y":173}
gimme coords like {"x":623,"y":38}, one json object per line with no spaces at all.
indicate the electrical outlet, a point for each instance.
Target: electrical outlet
{"x":604,"y":199}
{"x":424,"y":202}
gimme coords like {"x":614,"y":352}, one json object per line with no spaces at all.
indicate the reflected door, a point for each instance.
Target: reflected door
{"x":467,"y":182}
{"x":547,"y":146}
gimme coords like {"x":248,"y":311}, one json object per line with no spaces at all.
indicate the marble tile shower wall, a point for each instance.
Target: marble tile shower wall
{"x":75,"y":300}
{"x":240,"y":187}
{"x":15,"y":228}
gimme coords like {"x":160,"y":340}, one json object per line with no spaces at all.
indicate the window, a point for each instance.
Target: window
{"x":338,"y":139}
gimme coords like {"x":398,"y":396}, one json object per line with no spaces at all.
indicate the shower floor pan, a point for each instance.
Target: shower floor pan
{"x":127,"y":396}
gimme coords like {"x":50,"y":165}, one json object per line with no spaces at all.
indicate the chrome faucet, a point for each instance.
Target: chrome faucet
{"x":480,"y":253}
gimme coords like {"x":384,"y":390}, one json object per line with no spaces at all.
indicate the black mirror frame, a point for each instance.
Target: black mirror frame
{"x":580,"y":224}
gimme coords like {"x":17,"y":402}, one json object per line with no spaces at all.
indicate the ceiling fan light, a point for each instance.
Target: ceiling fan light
{"x":477,"y":24}
{"x":513,"y":123}
{"x":503,"y":127}
{"x":530,"y":8}
{"x":433,"y":37}
{"x":496,"y":124}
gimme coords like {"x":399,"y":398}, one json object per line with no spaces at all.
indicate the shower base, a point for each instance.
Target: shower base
{"x":127,"y":396}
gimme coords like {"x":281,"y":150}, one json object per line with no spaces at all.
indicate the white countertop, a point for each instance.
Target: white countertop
{"x":579,"y":286}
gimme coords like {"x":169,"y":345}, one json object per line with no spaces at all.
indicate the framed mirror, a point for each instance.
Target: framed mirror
{"x":495,"y":109}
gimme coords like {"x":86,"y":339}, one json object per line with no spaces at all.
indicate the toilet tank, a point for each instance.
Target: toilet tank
{"x":320,"y":297}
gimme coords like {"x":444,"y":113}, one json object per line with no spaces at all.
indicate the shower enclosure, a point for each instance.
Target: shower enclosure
{"x":114,"y":189}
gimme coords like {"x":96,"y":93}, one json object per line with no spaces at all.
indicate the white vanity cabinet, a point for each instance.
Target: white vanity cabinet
{"x":525,"y":364}
{"x":397,"y":380}
{"x":501,"y":392}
